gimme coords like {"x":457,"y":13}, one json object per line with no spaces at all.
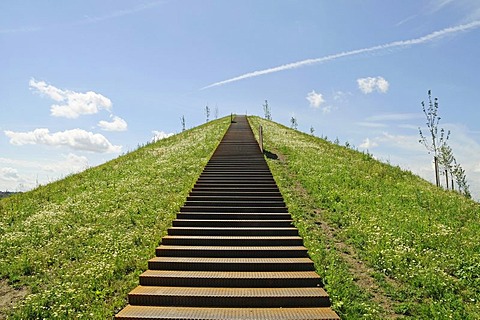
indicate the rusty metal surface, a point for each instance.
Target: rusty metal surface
{"x":177,"y":313}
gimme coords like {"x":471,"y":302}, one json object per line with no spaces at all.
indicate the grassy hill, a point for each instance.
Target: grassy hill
{"x":387,"y":243}
{"x":76,"y":247}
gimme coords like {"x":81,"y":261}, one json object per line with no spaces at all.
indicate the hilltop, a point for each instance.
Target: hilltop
{"x":386,"y":242}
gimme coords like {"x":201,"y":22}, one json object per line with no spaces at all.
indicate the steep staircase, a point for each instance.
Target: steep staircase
{"x":232,"y":252}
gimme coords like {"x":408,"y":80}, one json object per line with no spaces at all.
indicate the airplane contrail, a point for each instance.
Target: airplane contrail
{"x":396,"y":44}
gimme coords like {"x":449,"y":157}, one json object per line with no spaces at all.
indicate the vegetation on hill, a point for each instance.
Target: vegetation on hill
{"x":6,"y":194}
{"x":387,"y":243}
{"x":78,"y":245}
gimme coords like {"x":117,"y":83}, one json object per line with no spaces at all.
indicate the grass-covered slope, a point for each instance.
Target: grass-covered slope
{"x":386,"y":242}
{"x":77,"y":246}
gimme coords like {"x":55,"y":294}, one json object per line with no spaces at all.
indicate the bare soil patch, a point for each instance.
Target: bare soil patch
{"x":9,"y":296}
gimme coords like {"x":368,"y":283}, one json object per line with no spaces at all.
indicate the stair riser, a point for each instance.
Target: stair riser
{"x":232,"y":224}
{"x":236,"y":204}
{"x":232,"y":232}
{"x":235,"y":198}
{"x":229,"y":282}
{"x":198,"y":266}
{"x":234,"y":209}
{"x":233,"y":193}
{"x":232,"y":253}
{"x":232,"y":216}
{"x":231,"y":242}
{"x":230,"y":302}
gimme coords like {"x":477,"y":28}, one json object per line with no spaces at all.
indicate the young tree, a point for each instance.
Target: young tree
{"x":207,"y":112}
{"x":216,"y":112}
{"x":293,"y":123}
{"x":312,"y":130}
{"x":446,"y":161}
{"x":461,"y":179}
{"x":435,"y":139}
{"x":266,"y":111}
{"x":182,"y":120}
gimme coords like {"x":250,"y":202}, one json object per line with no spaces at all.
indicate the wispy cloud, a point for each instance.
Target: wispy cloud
{"x":86,"y":20}
{"x":120,"y":13}
{"x":396,"y":44}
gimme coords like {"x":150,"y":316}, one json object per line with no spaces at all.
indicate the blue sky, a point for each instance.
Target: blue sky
{"x":82,"y":82}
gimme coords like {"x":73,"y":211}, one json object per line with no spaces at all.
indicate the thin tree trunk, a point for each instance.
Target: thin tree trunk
{"x":446,"y":178}
{"x":437,"y":175}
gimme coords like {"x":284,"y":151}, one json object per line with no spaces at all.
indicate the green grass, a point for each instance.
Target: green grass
{"x":78,"y":245}
{"x":419,"y":245}
{"x":386,"y":243}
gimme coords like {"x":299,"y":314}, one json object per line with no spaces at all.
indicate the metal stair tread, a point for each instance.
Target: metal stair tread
{"x":239,"y":248}
{"x":215,"y":260}
{"x":230,"y":292}
{"x":231,"y":274}
{"x":195,"y":313}
{"x":237,"y":237}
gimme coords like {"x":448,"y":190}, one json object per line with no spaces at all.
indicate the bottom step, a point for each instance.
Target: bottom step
{"x":170,"y":313}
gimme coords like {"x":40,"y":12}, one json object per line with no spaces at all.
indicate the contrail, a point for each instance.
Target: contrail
{"x":396,"y":44}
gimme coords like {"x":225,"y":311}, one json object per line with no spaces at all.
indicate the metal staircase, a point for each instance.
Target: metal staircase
{"x":232,"y":252}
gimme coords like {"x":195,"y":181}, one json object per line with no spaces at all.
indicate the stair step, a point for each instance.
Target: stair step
{"x":230,"y":264}
{"x":231,"y":223}
{"x":232,"y":252}
{"x":175,"y":313}
{"x":188,"y":208}
{"x":235,"y":203}
{"x":229,"y":297}
{"x":235,"y":197}
{"x":233,"y":216}
{"x":239,"y":279}
{"x":222,"y":231}
{"x":231,"y":241}
{"x":235,"y":188}
{"x":235,"y":193}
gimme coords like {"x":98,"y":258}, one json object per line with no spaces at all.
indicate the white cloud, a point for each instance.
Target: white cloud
{"x":159,"y":135}
{"x":396,"y":44}
{"x":77,"y":139}
{"x":117,"y":124}
{"x":315,"y":99}
{"x":8,"y":174}
{"x":74,"y":103}
{"x":369,"y":84}
{"x":367,"y":143}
